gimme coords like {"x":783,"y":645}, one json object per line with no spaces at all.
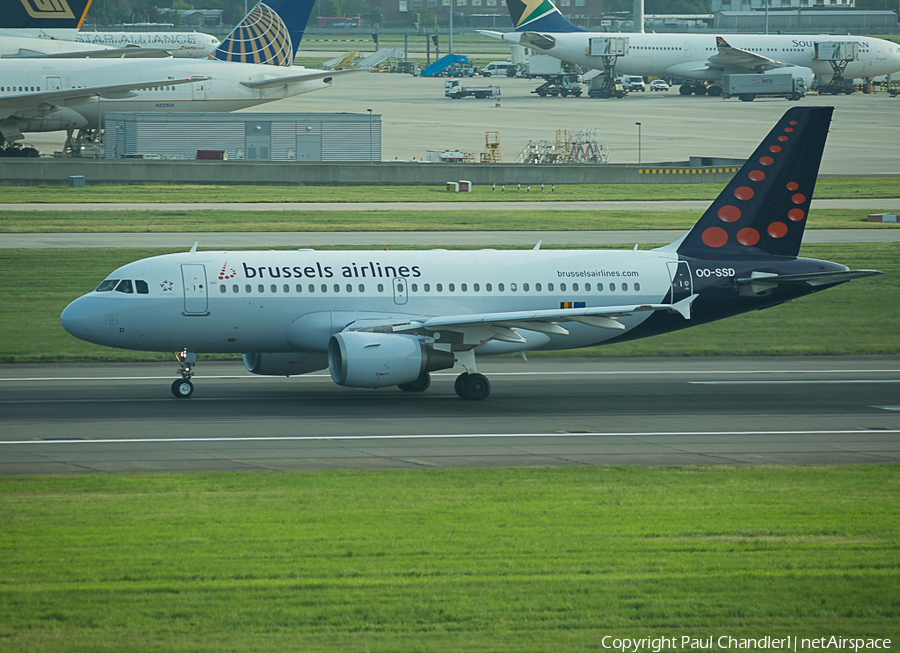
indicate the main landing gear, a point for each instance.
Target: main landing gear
{"x":471,"y":385}
{"x":183,"y":388}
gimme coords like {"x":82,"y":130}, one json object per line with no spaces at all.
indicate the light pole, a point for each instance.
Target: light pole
{"x":371,"y":153}
{"x":639,"y":142}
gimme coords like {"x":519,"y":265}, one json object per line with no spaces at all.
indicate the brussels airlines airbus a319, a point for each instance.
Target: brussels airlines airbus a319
{"x":382,"y":318}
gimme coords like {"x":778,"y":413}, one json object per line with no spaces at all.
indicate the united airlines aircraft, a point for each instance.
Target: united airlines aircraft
{"x":699,"y":57}
{"x":252,"y":66}
{"x":383,"y":318}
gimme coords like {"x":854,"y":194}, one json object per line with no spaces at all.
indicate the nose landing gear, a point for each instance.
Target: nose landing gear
{"x":183,"y":388}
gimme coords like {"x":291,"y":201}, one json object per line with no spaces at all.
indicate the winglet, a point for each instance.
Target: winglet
{"x":194,"y":248}
{"x":683,"y":307}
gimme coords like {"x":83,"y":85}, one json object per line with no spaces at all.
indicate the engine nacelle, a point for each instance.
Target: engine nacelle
{"x":285,"y":364}
{"x":360,"y":359}
{"x":59,"y":119}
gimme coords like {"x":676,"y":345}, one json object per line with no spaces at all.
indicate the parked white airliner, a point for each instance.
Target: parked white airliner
{"x":30,"y":28}
{"x":383,"y":318}
{"x":701,"y":57}
{"x":252,"y":66}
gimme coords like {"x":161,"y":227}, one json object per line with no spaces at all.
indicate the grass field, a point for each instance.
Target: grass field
{"x":153,"y":221}
{"x":856,"y":318}
{"x":826,"y":188}
{"x":453,"y":560}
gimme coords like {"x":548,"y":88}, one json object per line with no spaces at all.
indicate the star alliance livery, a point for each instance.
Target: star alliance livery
{"x":252,"y":66}
{"x":383,"y":318}
{"x":50,"y":28}
{"x":700,"y":57}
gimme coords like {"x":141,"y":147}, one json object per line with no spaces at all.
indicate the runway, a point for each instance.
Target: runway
{"x":75,"y":419}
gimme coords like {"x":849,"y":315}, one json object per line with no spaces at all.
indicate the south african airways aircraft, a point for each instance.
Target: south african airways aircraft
{"x":384,"y":318}
{"x":700,"y":57}
{"x":252,"y":66}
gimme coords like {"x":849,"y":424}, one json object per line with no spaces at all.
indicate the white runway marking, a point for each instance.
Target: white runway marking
{"x":444,"y":436}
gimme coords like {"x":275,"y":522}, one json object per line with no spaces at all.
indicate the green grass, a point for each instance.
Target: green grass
{"x":154,"y":221}
{"x":446,"y":560}
{"x":855,"y":188}
{"x":860,"y":317}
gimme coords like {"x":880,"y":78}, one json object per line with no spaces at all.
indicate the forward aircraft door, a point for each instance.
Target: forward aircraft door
{"x":682,"y":283}
{"x":195,"y":294}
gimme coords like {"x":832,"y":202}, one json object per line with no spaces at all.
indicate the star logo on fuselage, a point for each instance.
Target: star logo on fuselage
{"x":166,"y":286}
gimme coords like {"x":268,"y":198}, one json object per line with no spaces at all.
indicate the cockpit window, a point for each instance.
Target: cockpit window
{"x":142,"y":287}
{"x":125,"y":286}
{"x":107,"y":285}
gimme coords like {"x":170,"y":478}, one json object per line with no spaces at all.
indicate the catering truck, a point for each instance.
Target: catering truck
{"x":750,"y":87}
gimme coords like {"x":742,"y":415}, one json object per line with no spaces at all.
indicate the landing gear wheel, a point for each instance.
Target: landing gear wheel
{"x":419,"y":385}
{"x":182,"y":388}
{"x":686,"y":89}
{"x":475,"y":387}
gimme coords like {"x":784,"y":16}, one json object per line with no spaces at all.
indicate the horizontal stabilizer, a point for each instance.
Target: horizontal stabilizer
{"x":324,"y":75}
{"x":762,"y":281}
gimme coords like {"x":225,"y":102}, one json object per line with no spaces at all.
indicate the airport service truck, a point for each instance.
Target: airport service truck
{"x":560,"y":79}
{"x":750,"y":87}
{"x":453,"y":89}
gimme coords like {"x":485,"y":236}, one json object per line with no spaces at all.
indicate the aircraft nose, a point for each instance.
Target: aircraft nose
{"x":81,"y":318}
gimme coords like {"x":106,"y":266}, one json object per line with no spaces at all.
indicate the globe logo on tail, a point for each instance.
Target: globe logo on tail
{"x":262,"y":37}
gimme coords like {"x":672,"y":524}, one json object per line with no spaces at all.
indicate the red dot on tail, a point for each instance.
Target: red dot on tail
{"x":796,"y":215}
{"x":743,"y":192}
{"x":767,"y":160}
{"x":748,"y":237}
{"x":798,"y":198}
{"x":714,"y":237}
{"x":782,"y":138}
{"x":757,"y":175}
{"x":793,"y":185}
{"x":777,"y":230}
{"x":775,"y":148}
{"x":788,"y":129}
{"x":792,"y":122}
{"x":729,"y":213}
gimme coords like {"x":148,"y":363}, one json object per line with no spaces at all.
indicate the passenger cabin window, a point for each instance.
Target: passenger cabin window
{"x":125,"y":286}
{"x":107,"y":285}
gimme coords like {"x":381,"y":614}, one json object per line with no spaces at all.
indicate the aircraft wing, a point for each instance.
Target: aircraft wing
{"x":303,"y":77}
{"x":108,"y":53}
{"x":728,"y":57}
{"x":479,"y":328}
{"x":10,"y":104}
{"x":762,"y":281}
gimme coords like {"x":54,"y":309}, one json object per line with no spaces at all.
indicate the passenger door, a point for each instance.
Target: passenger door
{"x":195,"y":291}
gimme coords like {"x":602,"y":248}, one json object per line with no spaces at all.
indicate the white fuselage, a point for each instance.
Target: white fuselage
{"x":687,"y":55}
{"x":221,"y":90}
{"x":25,"y":42}
{"x":193,"y":45}
{"x":290,"y":301}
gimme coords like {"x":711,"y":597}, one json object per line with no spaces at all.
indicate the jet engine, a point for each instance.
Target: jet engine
{"x":361,"y":359}
{"x":285,"y":364}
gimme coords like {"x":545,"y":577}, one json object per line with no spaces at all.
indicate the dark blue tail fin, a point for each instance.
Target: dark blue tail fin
{"x":43,"y":14}
{"x":269,"y":34}
{"x":763,"y":209}
{"x":540,"y":16}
